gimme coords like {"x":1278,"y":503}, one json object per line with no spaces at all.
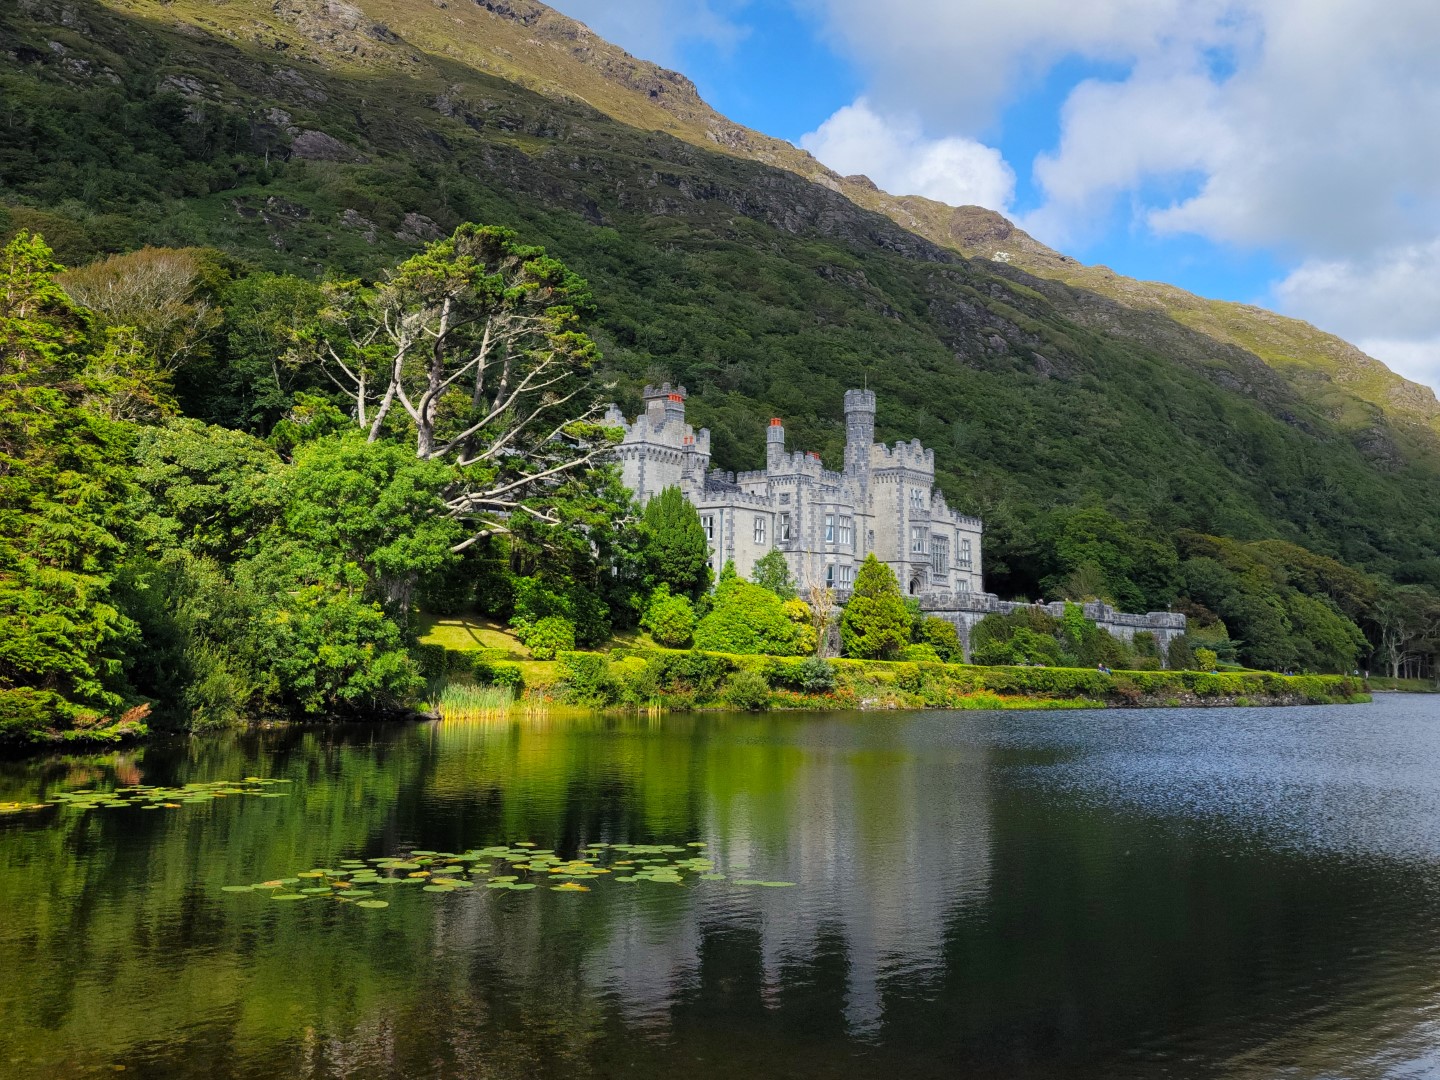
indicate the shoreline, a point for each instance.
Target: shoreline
{"x":661,"y":682}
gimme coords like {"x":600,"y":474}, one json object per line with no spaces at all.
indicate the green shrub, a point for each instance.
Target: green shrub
{"x":585,"y":679}
{"x":876,"y":623}
{"x":920,"y":654}
{"x":430,"y":659}
{"x":637,"y":679}
{"x":773,"y":572}
{"x":1180,"y":656}
{"x":746,"y":618}
{"x":549,"y":637}
{"x":669,"y":618}
{"x":491,"y":673}
{"x":942,"y":636}
{"x":1206,"y":659}
{"x":747,"y":690}
{"x":817,"y":676}
{"x":695,"y":672}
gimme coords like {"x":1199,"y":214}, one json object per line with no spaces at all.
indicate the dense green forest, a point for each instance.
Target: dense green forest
{"x":204,"y":517}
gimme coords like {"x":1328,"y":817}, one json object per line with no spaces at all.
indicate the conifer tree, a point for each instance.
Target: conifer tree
{"x":876,"y":623}
{"x":773,"y":572}
{"x":676,"y":549}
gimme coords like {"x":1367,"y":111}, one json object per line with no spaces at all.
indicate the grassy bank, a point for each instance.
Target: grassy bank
{"x":1403,"y":686}
{"x":639,"y":677}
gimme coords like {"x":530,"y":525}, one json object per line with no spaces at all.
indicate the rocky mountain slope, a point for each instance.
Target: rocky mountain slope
{"x":315,"y":136}
{"x":542,"y":49}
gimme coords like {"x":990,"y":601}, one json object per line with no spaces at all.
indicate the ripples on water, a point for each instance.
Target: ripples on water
{"x":1238,"y":892}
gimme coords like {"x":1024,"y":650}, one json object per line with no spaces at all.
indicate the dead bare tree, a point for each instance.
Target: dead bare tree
{"x":820,"y":596}
{"x":477,"y":341}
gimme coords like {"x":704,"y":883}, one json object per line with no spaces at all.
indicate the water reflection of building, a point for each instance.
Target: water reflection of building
{"x":886,"y":841}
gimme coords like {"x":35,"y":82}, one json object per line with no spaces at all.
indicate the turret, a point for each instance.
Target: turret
{"x":859,"y":430}
{"x":775,"y":446}
{"x":664,"y":404}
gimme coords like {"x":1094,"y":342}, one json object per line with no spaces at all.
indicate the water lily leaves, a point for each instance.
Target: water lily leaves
{"x":523,"y":867}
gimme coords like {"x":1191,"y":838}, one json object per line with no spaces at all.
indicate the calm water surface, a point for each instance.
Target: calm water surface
{"x":1226,"y":893}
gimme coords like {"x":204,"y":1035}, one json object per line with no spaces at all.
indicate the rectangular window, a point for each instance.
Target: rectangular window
{"x":940,"y":554}
{"x":782,"y":529}
{"x":917,"y":499}
{"x":917,"y":539}
{"x":759,"y":529}
{"x":847,"y":576}
{"x":965,"y":559}
{"x":707,"y":522}
{"x":830,"y":575}
{"x":962,"y":585}
{"x":829,"y":528}
{"x":847,"y":532}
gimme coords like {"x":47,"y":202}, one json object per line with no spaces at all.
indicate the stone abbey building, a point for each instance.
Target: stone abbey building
{"x":826,"y":522}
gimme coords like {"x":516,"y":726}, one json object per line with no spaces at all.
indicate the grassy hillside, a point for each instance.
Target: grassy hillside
{"x":317,"y":137}
{"x":1388,"y":417}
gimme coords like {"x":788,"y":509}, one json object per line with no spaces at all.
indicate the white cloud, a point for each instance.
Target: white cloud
{"x":894,"y":152}
{"x":654,"y":30}
{"x":1305,"y":128}
{"x":1388,"y":304}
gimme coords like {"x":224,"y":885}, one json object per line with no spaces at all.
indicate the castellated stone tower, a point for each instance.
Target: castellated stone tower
{"x":775,"y":445}
{"x":859,"y":430}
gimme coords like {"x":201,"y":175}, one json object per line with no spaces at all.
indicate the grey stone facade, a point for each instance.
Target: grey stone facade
{"x":826,"y":522}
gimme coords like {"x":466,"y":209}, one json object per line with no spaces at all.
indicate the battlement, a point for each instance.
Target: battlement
{"x":903,"y":455}
{"x":859,"y":401}
{"x":882,"y":502}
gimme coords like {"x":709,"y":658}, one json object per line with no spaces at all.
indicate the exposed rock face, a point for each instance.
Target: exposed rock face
{"x":318,"y":146}
{"x":417,"y":228}
{"x":353,"y":219}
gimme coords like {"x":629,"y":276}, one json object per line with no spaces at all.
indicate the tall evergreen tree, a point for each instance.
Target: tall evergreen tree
{"x":876,"y":622}
{"x":773,"y":572}
{"x":62,"y":480}
{"x":676,"y":549}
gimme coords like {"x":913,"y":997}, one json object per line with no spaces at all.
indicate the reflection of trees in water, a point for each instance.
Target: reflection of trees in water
{"x":943,"y":921}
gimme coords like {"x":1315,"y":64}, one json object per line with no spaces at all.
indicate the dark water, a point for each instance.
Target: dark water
{"x":1246,"y":893}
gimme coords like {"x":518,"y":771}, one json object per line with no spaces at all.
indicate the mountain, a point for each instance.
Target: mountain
{"x":315,"y":136}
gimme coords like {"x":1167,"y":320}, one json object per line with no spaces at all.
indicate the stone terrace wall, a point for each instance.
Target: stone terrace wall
{"x":967,"y":609}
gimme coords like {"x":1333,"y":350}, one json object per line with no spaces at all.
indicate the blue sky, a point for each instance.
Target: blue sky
{"x":1265,"y":151}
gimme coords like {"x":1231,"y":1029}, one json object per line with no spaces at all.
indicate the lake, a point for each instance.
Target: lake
{"x":1176,"y":893}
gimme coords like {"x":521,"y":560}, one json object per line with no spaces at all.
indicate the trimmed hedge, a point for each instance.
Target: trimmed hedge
{"x":698,"y":679}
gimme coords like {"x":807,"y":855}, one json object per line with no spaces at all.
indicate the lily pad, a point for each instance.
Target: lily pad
{"x":287,"y":896}
{"x":237,"y":888}
{"x":372,"y":904}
